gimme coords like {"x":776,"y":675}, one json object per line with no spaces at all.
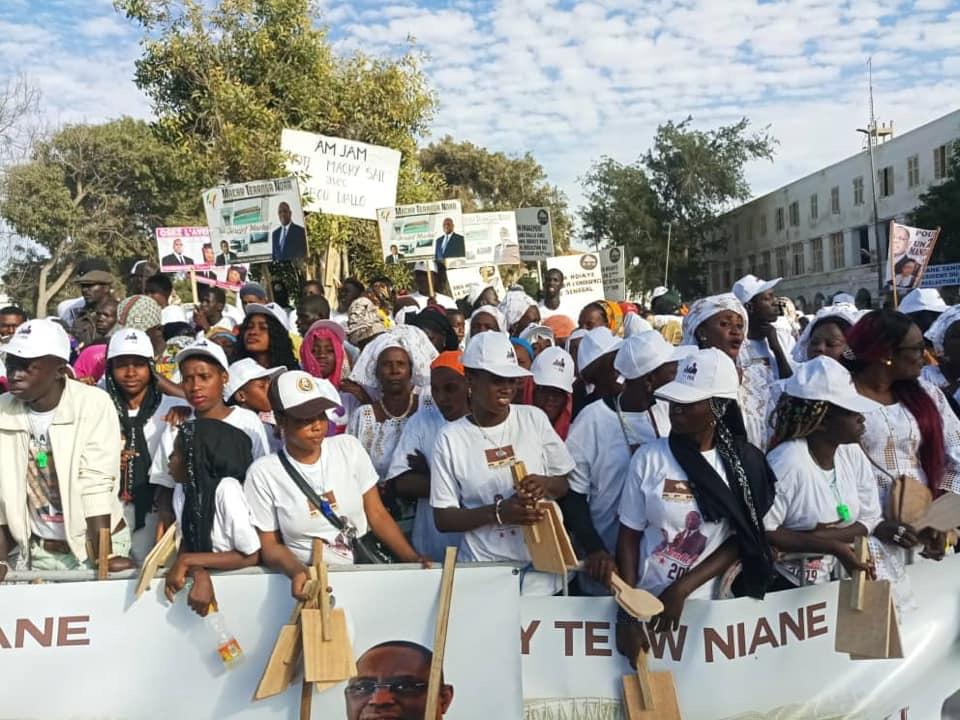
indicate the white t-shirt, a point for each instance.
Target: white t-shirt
{"x":420,"y":433}
{"x":466,"y":473}
{"x":808,"y":496}
{"x":444,"y":300}
{"x":47,"y":522}
{"x":232,"y":525}
{"x":341,"y":477}
{"x":240,"y":418}
{"x":602,"y":454}
{"x":339,"y":317}
{"x":657,"y":501}
{"x":562,"y":309}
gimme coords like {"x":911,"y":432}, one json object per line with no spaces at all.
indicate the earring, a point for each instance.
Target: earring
{"x":888,"y":362}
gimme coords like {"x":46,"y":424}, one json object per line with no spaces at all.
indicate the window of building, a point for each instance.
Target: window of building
{"x":750,"y":230}
{"x":736,"y":234}
{"x":794,"y":214}
{"x":858,"y":190}
{"x":819,"y":301}
{"x":779,"y":219}
{"x":727,"y":282}
{"x":885,"y":181}
{"x":816,"y":255}
{"x":913,"y":171}
{"x":715,"y":277}
{"x":837,"y":251}
{"x":814,"y":210}
{"x":835,"y":200}
{"x":763,"y":224}
{"x":798,"y":265}
{"x":737,"y":270}
{"x":862,"y":234}
{"x":764,"y":264}
{"x":782,"y":261}
{"x":752,"y":264}
{"x":940,"y":156}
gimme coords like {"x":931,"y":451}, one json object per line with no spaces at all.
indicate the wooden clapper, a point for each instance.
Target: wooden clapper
{"x":867,"y":627}
{"x":440,"y":633}
{"x":315,"y":633}
{"x":165,"y":548}
{"x":646,"y":695}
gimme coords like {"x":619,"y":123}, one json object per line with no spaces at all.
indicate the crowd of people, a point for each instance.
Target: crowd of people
{"x":715,"y":450}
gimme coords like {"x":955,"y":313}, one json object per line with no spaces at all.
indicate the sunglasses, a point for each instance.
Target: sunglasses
{"x":401,"y":687}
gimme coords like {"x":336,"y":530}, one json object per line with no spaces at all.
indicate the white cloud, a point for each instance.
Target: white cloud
{"x":103,"y":27}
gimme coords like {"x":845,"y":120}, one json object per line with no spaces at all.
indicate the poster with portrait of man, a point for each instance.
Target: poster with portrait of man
{"x":181,"y":249}
{"x":432,"y":230}
{"x":490,"y":238}
{"x":910,"y":251}
{"x":228,"y":277}
{"x":256,"y":221}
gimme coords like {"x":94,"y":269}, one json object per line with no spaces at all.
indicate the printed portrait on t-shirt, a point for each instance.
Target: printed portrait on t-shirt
{"x":685,"y":547}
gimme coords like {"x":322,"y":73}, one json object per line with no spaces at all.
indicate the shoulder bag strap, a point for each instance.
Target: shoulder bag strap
{"x":311,"y":494}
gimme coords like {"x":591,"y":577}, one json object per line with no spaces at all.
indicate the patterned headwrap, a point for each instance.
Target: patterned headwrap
{"x":514,"y":304}
{"x":938,"y":330}
{"x":850,"y":313}
{"x":413,"y":340}
{"x":139,"y":312}
{"x":614,"y":315}
{"x":363,"y":321}
{"x":706,"y":308}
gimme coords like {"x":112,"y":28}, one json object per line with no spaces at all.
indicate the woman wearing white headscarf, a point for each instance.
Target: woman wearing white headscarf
{"x":519,"y":310}
{"x":487,"y":317}
{"x":944,"y":333}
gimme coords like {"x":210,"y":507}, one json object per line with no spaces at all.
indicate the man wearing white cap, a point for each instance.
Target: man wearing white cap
{"x":602,"y":441}
{"x":765,"y":345}
{"x":826,"y":490}
{"x":693,"y":503}
{"x":595,"y":357}
{"x":60,"y":450}
{"x":924,"y":306}
{"x":422,"y":281}
{"x":472,"y":487}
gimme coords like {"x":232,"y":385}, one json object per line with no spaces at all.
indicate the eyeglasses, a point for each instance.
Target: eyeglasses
{"x":400,"y":687}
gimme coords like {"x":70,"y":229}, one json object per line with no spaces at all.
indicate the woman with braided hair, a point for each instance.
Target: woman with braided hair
{"x":826,"y":494}
{"x":693,"y":503}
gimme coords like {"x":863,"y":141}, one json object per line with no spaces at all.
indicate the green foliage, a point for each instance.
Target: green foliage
{"x":940,"y":207}
{"x":688,"y":178}
{"x":486,"y":181}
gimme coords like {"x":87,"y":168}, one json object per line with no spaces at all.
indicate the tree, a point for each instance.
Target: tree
{"x":89,"y":190}
{"x":485,"y":181}
{"x":688,"y":178}
{"x":940,"y":207}
{"x":226,"y":78}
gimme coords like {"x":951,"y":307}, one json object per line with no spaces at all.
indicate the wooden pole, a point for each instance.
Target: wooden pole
{"x":440,"y":634}
{"x":193,"y":287}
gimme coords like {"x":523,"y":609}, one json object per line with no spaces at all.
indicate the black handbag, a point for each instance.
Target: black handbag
{"x":367,"y":550}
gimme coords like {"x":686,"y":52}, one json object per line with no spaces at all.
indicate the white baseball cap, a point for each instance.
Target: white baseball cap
{"x":173,"y":314}
{"x":534,"y":330}
{"x":825,"y":379}
{"x":644,"y":353}
{"x":596,"y":343}
{"x":203,"y":348}
{"x":553,"y":368}
{"x":844,"y":298}
{"x":493,"y":352}
{"x":130,"y":342}
{"x":749,"y":286}
{"x":658,"y":291}
{"x":269,"y":309}
{"x":708,"y":373}
{"x":301,"y":396}
{"x":39,"y":338}
{"x":923,"y":299}
{"x":243,"y":371}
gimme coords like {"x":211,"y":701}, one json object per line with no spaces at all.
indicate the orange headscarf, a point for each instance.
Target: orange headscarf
{"x":452,"y":359}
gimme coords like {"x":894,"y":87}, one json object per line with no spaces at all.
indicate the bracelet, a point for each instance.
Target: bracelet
{"x":496,"y":510}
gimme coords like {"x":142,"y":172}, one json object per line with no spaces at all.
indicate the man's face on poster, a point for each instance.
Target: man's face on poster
{"x":283,"y":212}
{"x":391,"y":684}
{"x":901,"y":241}
{"x":448,"y":226}
{"x":178,"y":247}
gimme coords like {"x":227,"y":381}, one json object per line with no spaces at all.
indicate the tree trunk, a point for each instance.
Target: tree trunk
{"x":44,"y":294}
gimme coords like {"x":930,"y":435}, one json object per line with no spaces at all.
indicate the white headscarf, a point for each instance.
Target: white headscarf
{"x":514,"y":304}
{"x":412,"y":339}
{"x":494,"y":312}
{"x":843,"y":310}
{"x":706,"y":308}
{"x":633,"y":324}
{"x":938,"y":329}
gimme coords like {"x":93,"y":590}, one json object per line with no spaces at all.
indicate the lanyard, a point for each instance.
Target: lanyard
{"x":623,"y":424}
{"x":843,"y":510}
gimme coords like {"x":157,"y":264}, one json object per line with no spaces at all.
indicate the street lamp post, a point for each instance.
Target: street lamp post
{"x":871,"y":134}
{"x":666,"y":267}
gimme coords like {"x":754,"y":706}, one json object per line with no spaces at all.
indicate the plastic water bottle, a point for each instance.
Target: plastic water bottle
{"x":228,"y":649}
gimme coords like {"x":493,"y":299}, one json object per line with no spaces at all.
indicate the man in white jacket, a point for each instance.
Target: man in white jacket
{"x":60,"y":443}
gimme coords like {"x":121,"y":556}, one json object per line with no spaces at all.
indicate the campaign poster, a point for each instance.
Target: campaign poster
{"x":490,"y":238}
{"x":228,"y":277}
{"x":422,"y":231}
{"x":534,"y":233}
{"x":475,"y":277}
{"x":582,"y":280}
{"x":614,"y":270}
{"x":257,"y":221}
{"x":342,"y":177}
{"x":910,"y":251}
{"x":181,"y":249}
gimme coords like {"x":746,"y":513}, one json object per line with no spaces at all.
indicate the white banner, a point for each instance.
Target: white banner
{"x":413,"y":230}
{"x":342,"y":177}
{"x":750,"y":659}
{"x":613,"y":267}
{"x":582,"y":281}
{"x":85,"y":650}
{"x":490,"y":239}
{"x":534,"y":233}
{"x":461,"y":280}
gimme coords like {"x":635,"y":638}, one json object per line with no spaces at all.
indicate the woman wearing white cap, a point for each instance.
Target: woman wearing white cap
{"x":944,"y":335}
{"x":693,"y":503}
{"x":602,"y":441}
{"x":316,"y":486}
{"x":142,"y":408}
{"x":472,"y":489}
{"x":826,"y":493}
{"x":247,"y":388}
{"x":553,"y":375}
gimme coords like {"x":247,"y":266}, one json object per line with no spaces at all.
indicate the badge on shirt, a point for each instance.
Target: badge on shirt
{"x":676,"y":491}
{"x":331,"y":499}
{"x":499,"y":457}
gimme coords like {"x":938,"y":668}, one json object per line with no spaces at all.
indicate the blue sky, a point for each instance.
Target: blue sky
{"x":573,"y":81}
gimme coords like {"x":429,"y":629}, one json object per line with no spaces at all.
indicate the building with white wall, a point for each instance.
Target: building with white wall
{"x":817,"y":232}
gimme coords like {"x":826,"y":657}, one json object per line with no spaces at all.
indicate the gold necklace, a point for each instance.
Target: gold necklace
{"x":389,"y":416}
